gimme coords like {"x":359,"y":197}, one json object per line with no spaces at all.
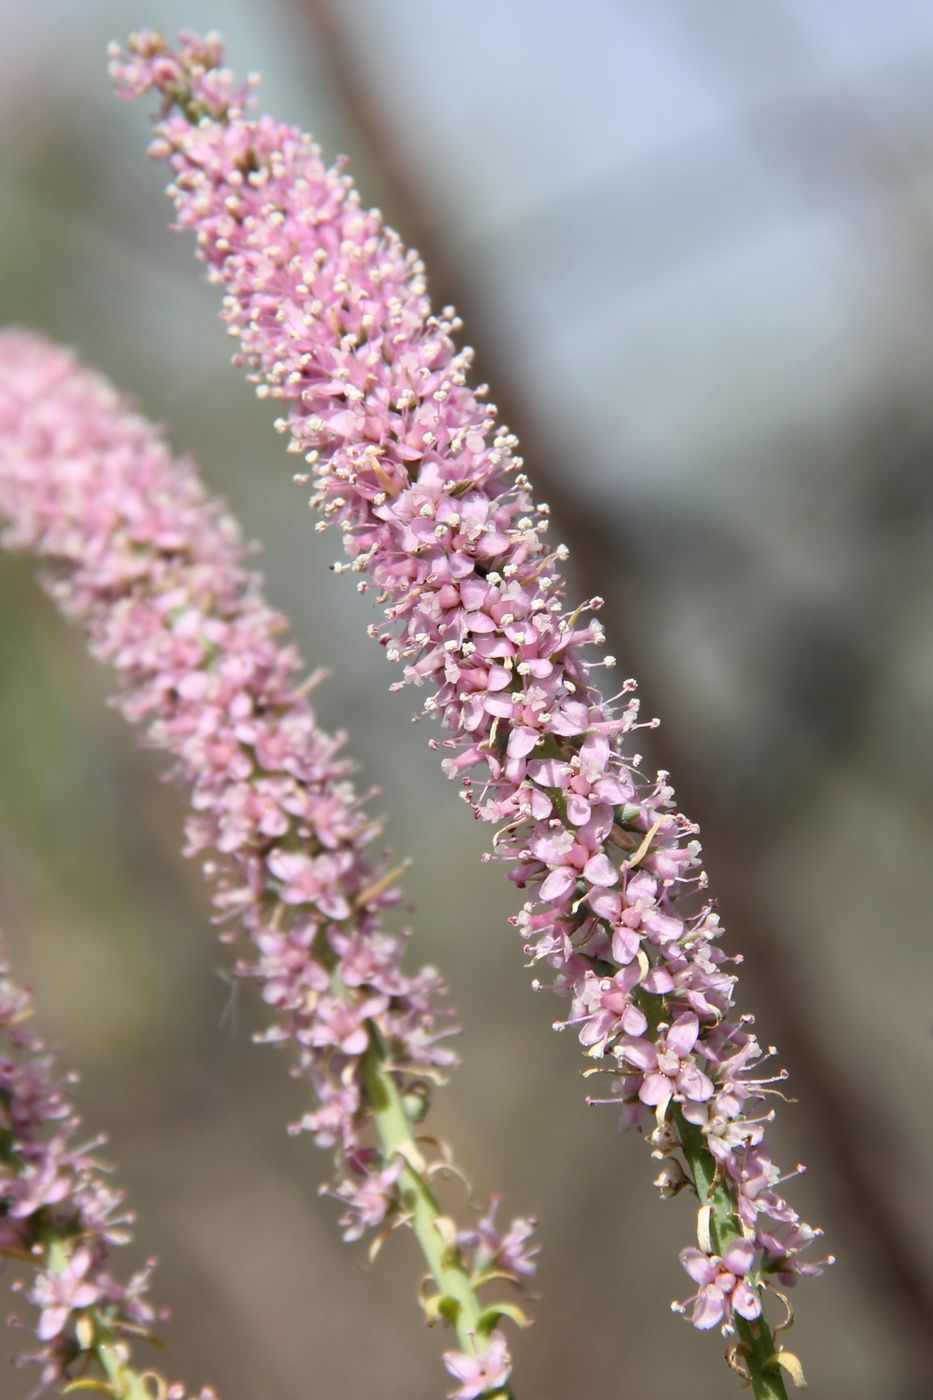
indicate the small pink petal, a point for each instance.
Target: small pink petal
{"x":521,"y":742}
{"x":709,"y":1309}
{"x":640,"y":1053}
{"x":558,"y":883}
{"x":694,"y":1084}
{"x":355,"y":1043}
{"x":746,"y":1301}
{"x":701,"y":1268}
{"x":333,"y":904}
{"x":84,"y":1295}
{"x":501,"y":705}
{"x":594,"y":752}
{"x":739,"y":1256}
{"x":625,"y":944}
{"x":682,"y":1035}
{"x":664,"y":927}
{"x":634,"y":1021}
{"x":599,"y":870}
{"x":605,"y":904}
{"x":473,"y":593}
{"x":51,"y":1323}
{"x":287,"y":865}
{"x":579,"y":810}
{"x":549,"y":772}
{"x":570,"y":718}
{"x":655,"y":1090}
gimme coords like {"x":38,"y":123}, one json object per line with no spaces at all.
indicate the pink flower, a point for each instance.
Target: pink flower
{"x":369,"y":1199}
{"x":605,"y":1009}
{"x":479,"y":1373}
{"x":724,"y":1287}
{"x":572,"y":857}
{"x":63,"y":1292}
{"x":342,"y":1024}
{"x":668,"y":1065}
{"x":307,"y":880}
{"x":512,"y":1253}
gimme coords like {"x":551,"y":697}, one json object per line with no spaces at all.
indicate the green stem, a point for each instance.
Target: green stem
{"x":126,"y":1383}
{"x":758,"y":1348}
{"x":459,"y":1300}
{"x":767,"y":1380}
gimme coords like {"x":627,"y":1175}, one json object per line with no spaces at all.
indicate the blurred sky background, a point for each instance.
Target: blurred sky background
{"x":693,"y":244}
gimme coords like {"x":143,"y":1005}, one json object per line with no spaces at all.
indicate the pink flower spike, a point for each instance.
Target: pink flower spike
{"x":69,"y":1235}
{"x":155,"y":571}
{"x":438,"y":518}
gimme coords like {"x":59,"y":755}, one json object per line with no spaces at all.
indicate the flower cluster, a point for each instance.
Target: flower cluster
{"x":154,"y":570}
{"x":59,"y":1214}
{"x":437,"y":515}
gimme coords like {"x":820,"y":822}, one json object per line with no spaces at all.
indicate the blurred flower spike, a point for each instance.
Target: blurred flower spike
{"x":61,"y":1220}
{"x":154,"y":571}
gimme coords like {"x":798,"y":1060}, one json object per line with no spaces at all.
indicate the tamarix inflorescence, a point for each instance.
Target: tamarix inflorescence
{"x":61,"y":1219}
{"x":437,"y":515}
{"x":154,"y":571}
